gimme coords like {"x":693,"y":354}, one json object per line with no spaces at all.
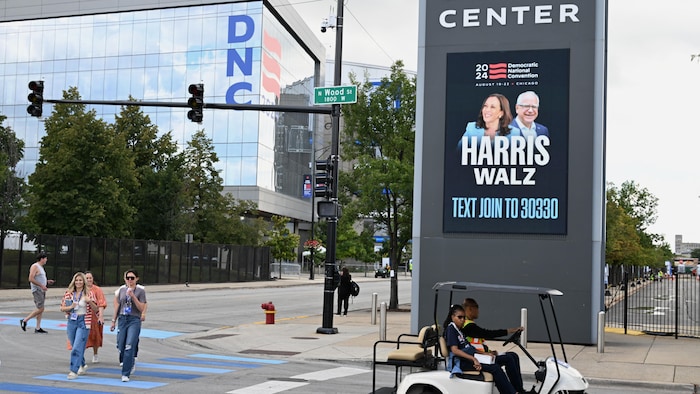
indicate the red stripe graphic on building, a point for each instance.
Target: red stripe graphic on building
{"x":498,"y":71}
{"x":271,"y":58}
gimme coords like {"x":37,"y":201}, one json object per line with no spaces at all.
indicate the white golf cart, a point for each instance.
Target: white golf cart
{"x":553,"y":375}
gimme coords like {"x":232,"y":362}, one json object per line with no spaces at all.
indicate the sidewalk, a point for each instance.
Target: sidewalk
{"x":634,"y":359}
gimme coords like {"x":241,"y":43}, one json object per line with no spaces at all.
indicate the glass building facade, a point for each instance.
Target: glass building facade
{"x":240,"y":51}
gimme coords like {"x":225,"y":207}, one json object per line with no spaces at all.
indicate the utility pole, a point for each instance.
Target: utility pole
{"x":330,"y":266}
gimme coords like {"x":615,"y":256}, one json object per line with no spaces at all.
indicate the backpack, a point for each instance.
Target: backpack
{"x":355,"y":291}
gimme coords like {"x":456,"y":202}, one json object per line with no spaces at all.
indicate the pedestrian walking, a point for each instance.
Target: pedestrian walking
{"x":78,"y":303}
{"x":39,"y":285}
{"x":94,"y":340}
{"x":130,"y":311}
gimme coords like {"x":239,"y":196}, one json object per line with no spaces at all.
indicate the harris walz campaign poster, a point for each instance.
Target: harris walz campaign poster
{"x":506,"y":142}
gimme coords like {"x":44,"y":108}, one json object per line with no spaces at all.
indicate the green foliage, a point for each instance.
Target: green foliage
{"x":695,"y":253}
{"x":82,"y":180}
{"x":159,"y":171}
{"x":281,"y":241}
{"x":379,"y":137}
{"x":630,"y":210}
{"x":13,"y":186}
{"x":123,"y":180}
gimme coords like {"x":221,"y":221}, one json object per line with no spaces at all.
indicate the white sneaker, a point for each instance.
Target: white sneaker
{"x":95,"y":360}
{"x":121,"y":364}
{"x":82,"y":369}
{"x":72,"y":375}
{"x":125,"y":378}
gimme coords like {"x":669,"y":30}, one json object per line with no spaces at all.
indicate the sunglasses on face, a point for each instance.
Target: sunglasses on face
{"x":130,"y":277}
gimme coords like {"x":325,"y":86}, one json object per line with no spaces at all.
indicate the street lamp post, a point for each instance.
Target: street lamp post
{"x":330,"y":267}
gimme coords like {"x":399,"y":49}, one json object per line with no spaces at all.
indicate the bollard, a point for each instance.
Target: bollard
{"x":523,"y":323}
{"x":373,"y":318}
{"x":601,"y":332}
{"x":382,"y":321}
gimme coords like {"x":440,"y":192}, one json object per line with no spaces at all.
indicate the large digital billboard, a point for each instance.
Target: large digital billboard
{"x":510,"y":142}
{"x":506,"y":168}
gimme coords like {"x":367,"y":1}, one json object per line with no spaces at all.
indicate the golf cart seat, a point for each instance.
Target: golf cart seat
{"x":469,"y":375}
{"x":418,"y":352}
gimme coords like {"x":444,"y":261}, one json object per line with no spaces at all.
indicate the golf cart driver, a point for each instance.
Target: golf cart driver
{"x":553,"y":375}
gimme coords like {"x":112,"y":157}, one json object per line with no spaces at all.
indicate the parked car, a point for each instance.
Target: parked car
{"x":383,"y":272}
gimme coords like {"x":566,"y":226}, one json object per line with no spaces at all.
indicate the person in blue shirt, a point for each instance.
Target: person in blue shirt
{"x":494,"y":120}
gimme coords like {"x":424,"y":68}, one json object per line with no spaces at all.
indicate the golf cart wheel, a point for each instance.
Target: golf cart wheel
{"x":423,"y":389}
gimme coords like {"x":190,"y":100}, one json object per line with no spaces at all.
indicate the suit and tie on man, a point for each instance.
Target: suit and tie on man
{"x":527,"y":108}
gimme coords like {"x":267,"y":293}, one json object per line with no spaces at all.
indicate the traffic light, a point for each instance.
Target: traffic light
{"x":324,"y":178}
{"x":36,"y":98}
{"x":196,"y":102}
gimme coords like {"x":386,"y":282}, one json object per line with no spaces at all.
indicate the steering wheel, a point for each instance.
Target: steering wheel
{"x":513,"y":338}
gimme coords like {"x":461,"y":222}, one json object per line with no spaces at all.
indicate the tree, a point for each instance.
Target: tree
{"x":631,"y":209}
{"x":204,"y":203}
{"x":13,"y":186}
{"x":157,"y":195}
{"x":82,"y":180}
{"x":695,"y":253}
{"x":281,"y":241}
{"x":379,"y":136}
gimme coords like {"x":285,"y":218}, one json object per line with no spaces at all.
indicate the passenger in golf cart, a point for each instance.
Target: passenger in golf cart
{"x":462,"y":355}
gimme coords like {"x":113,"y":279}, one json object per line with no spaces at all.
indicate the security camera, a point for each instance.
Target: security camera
{"x":324,"y":25}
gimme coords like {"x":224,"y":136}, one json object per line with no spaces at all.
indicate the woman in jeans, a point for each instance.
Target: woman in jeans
{"x":78,"y":303}
{"x":130,"y":311}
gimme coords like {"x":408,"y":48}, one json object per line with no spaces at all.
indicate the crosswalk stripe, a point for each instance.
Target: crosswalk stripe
{"x":183,"y":368}
{"x":133,"y":384}
{"x":34,"y":388}
{"x":269,"y":387}
{"x":243,"y":359}
{"x":329,"y":374}
{"x":207,"y":362}
{"x":60,"y":325}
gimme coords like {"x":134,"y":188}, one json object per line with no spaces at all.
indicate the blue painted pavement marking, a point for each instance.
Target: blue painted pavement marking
{"x":31,"y":388}
{"x":182,"y":368}
{"x":203,"y":362}
{"x":60,"y":325}
{"x":243,"y":359}
{"x":150,"y":374}
{"x":132,"y":384}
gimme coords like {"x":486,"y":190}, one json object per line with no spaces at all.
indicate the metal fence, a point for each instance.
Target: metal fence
{"x":655,"y":304}
{"x":157,"y":262}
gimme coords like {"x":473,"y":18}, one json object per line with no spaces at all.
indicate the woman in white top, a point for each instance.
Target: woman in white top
{"x":78,"y":303}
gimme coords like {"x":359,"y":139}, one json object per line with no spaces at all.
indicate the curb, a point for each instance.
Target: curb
{"x":657,"y":386}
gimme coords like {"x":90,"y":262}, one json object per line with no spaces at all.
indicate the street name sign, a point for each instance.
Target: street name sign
{"x":335,"y":95}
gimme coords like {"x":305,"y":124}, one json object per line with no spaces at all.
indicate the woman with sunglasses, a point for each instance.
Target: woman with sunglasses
{"x":461,"y":352}
{"x":461,"y":355}
{"x":130,"y":311}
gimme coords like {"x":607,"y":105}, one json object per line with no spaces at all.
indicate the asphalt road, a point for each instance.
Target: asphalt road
{"x":39,"y":362}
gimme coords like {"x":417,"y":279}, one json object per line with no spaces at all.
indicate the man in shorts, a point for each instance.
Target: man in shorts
{"x":38,"y":283}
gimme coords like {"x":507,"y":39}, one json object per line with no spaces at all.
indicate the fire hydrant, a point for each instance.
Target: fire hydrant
{"x":269,"y":312}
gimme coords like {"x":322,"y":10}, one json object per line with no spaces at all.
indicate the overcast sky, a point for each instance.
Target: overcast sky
{"x":653,"y":111}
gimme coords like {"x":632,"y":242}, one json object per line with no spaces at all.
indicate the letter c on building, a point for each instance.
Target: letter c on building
{"x":443,"y":19}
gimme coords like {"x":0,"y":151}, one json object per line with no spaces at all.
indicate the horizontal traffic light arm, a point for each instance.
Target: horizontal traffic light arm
{"x":326,"y":110}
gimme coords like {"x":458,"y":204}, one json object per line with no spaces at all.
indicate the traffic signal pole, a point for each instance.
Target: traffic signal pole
{"x":330,"y":266}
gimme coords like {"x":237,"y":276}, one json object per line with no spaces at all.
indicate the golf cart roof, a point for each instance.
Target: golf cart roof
{"x":473,"y":286}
